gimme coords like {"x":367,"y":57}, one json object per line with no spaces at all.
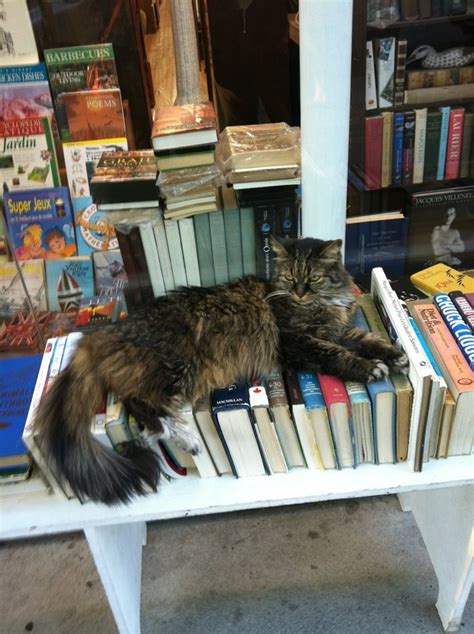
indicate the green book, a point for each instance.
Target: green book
{"x":204,"y":249}
{"x":247,"y":232}
{"x":219,"y":252}
{"x":233,"y":239}
{"x":433,"y":135}
{"x":78,"y":68}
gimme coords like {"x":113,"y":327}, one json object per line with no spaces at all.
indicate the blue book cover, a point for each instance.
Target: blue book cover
{"x":311,"y":390}
{"x":381,"y":424}
{"x":397,"y":157}
{"x":94,"y":231}
{"x":459,"y":329}
{"x":17,"y":382}
{"x":68,"y":282}
{"x":41,"y":223}
{"x":443,"y":142}
{"x":376,"y":243}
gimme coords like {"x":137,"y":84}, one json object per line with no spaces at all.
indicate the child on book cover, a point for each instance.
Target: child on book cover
{"x":57,"y":245}
{"x":32,"y":244}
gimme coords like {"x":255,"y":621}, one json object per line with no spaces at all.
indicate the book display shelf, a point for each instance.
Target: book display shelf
{"x":441,"y":496}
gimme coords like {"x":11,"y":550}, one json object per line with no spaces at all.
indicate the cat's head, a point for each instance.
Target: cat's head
{"x":308,"y":269}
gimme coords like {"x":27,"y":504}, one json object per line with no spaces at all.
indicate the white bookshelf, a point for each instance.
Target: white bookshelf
{"x":35,"y":514}
{"x":441,"y":496}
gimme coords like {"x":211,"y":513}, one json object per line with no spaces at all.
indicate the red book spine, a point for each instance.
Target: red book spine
{"x":373,"y":152}
{"x":333,"y":390}
{"x":454,"y":147}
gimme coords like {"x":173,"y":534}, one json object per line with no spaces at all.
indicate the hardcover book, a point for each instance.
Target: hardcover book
{"x":441,"y":278}
{"x":124,"y":177}
{"x":376,"y":240}
{"x":27,"y":154}
{"x":94,"y":114}
{"x":408,"y":147}
{"x":443,"y":142}
{"x":78,"y":68}
{"x":441,"y":228}
{"x":421,"y":115}
{"x":17,"y":382}
{"x":454,"y":146}
{"x":397,"y":158}
{"x":12,"y":293}
{"x":184,"y":126}
{"x":68,"y":282}
{"x":387,"y":149}
{"x":373,"y":152}
{"x":40,"y":223}
{"x":18,"y":45}
{"x":459,"y":329}
{"x":99,"y":310}
{"x":400,"y":66}
{"x":25,"y":93}
{"x":431,"y":78}
{"x":81,"y":159}
{"x":464,"y":307}
{"x":339,"y":411}
{"x":433,"y":137}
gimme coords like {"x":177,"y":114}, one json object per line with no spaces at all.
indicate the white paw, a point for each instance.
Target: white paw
{"x":379,"y":371}
{"x":401,"y":364}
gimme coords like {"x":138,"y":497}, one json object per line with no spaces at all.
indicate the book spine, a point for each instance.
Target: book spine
{"x":424,"y":7}
{"x":409,"y":9}
{"x":264,"y":227}
{"x":334,"y":391}
{"x":247,"y":231}
{"x":138,"y":253}
{"x":453,"y":151}
{"x":233,"y":243}
{"x":464,"y":307}
{"x":219,"y":251}
{"x":436,"y":94}
{"x":459,"y":329}
{"x":370,"y":85}
{"x":439,"y":77}
{"x":467,"y":145}
{"x":387,"y":144}
{"x":163,"y":252}
{"x":385,"y":69}
{"x":373,"y":152}
{"x":176,"y":252}
{"x":443,"y":142}
{"x":433,"y":132}
{"x":420,"y":144}
{"x":152,"y":260}
{"x":286,"y":219}
{"x":188,"y":244}
{"x":397,"y":160}
{"x":400,"y":66}
{"x":408,"y":147}
{"x":204,"y":249}
{"x":132,"y":292}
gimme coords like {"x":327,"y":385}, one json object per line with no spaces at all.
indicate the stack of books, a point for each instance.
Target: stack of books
{"x":184,"y":139}
{"x":259,"y":153}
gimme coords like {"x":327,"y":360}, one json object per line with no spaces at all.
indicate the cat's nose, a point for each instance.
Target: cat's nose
{"x":300,"y":290}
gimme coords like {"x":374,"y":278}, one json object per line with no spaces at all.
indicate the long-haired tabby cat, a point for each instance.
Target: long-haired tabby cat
{"x":195,"y":340}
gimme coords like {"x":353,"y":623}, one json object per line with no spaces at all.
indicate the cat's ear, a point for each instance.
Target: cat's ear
{"x":332,"y":250}
{"x":278,"y":249}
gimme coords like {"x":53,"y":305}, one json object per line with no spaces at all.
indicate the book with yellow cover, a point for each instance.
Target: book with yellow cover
{"x":442,"y":278}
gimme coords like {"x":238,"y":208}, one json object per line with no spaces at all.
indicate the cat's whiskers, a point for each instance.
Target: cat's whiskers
{"x":278,"y":293}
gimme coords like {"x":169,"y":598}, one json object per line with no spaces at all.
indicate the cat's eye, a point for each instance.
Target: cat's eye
{"x":316,"y":278}
{"x":289,"y":277}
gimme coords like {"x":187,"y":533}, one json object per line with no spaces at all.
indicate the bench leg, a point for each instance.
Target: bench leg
{"x":117,"y":552}
{"x":445,"y":519}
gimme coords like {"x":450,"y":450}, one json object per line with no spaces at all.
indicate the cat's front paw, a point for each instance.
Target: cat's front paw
{"x":376,"y":369}
{"x":401,"y":363}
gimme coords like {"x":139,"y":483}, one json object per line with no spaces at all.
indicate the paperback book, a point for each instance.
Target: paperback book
{"x":40,"y":223}
{"x":25,"y":93}
{"x":12,"y":293}
{"x":109,"y":270}
{"x":94,"y":114}
{"x":441,"y":229}
{"x":27,"y":154}
{"x":68,"y":282}
{"x":18,"y":45}
{"x":79,"y":68}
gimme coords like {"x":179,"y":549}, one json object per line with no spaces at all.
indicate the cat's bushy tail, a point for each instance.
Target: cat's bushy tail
{"x":63,"y":422}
